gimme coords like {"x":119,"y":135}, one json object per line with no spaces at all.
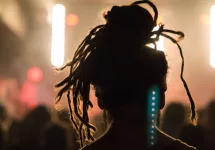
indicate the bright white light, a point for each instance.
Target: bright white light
{"x":153,"y":98}
{"x":153,"y":92}
{"x":153,"y":104}
{"x":58,"y":35}
{"x":212,"y":51}
{"x":153,"y":109}
{"x":160,"y":43}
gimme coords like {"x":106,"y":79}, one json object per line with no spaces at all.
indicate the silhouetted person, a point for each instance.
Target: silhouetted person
{"x":210,"y":130}
{"x":55,"y":137}
{"x":173,"y":119}
{"x":14,"y":134}
{"x":1,"y":139}
{"x":115,"y":58}
{"x":2,"y":132}
{"x":32,"y":127}
{"x":2,"y":113}
{"x":193,"y":135}
{"x":64,"y":117}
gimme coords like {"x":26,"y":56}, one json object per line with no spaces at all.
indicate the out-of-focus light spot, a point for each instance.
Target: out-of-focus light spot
{"x":72,"y":20}
{"x":58,"y":35}
{"x":153,"y":109}
{"x":35,"y":74}
{"x":212,"y":45}
{"x":28,"y":95}
{"x":153,"y":104}
{"x":205,"y":19}
{"x":160,"y":43}
{"x":153,"y":92}
{"x":153,"y":115}
{"x":153,"y":98}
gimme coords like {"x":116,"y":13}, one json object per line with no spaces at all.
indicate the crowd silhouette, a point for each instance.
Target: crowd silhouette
{"x":42,"y":129}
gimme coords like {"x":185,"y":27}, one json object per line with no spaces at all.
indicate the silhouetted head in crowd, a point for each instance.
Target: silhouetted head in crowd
{"x":193,"y":135}
{"x":2,"y":113}
{"x":174,"y":114}
{"x":116,"y":60}
{"x":173,"y":119}
{"x":55,"y":137}
{"x":14,"y":133}
{"x":211,"y":112}
{"x":32,"y":127}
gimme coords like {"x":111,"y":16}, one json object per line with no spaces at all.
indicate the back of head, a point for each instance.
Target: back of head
{"x":115,"y":59}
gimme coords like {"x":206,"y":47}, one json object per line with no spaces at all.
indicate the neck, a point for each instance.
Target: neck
{"x":130,"y":125}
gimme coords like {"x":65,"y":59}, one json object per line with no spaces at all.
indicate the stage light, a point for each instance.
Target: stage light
{"x":35,"y":74}
{"x":58,"y":35}
{"x":72,"y":20}
{"x":160,"y":43}
{"x":212,"y":45}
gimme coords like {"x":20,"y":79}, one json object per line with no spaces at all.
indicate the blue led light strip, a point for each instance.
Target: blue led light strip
{"x":153,"y":109}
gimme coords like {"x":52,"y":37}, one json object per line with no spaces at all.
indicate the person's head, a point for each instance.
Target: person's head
{"x":115,"y":59}
{"x":55,"y":137}
{"x":2,"y":113}
{"x":174,"y":114}
{"x":211,"y":112}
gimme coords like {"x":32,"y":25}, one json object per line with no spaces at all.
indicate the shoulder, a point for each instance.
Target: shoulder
{"x":97,"y":145}
{"x":181,"y":145}
{"x":93,"y":146}
{"x":174,"y":143}
{"x":87,"y":147}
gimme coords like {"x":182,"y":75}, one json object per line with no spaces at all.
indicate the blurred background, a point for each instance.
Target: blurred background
{"x":30,"y":49}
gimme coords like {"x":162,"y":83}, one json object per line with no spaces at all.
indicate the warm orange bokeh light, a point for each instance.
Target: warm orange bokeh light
{"x":205,"y":19}
{"x":72,"y":20}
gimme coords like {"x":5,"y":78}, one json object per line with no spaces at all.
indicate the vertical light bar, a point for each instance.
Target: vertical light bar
{"x":152,"y":114}
{"x":212,"y":47}
{"x":58,"y":35}
{"x":160,"y":43}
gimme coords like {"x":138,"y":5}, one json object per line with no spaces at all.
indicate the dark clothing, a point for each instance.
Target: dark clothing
{"x":167,"y":143}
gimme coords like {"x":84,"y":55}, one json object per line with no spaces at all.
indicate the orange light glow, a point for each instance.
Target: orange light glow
{"x":72,"y":20}
{"x":205,"y":19}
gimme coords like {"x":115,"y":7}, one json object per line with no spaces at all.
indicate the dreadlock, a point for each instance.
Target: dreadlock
{"x":80,"y":77}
